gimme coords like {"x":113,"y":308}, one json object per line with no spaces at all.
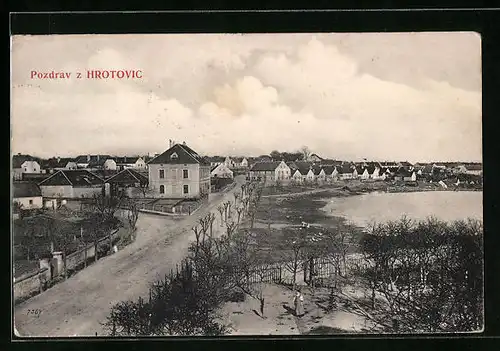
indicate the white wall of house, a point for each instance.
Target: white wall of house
{"x":31,"y":167}
{"x":244,"y":163}
{"x":282,"y":172}
{"x":79,"y":192}
{"x":174,"y":184}
{"x":71,"y":165}
{"x":297,"y":177}
{"x":375,"y":174}
{"x":222,"y":171}
{"x":310,"y":176}
{"x":365,"y":175}
{"x":140,"y":163}
{"x":57,"y":190}
{"x":30,"y":202}
{"x":110,"y":164}
{"x":322,"y":175}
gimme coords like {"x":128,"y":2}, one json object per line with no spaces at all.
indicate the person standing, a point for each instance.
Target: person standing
{"x":298,"y":302}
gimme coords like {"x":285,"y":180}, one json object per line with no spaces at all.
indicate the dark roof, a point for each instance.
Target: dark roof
{"x":73,"y":178}
{"x":265,"y":166}
{"x":360,"y":170}
{"x":427,"y":169}
{"x":346,"y":168}
{"x":406,"y":164}
{"x":126,"y":160}
{"x":18,"y":160}
{"x":128,"y":176}
{"x":329,"y":169}
{"x":185,"y":155}
{"x":371,"y":168}
{"x":93,"y":158}
{"x":26,"y":189}
{"x":105,"y":173}
{"x":403,"y":172}
{"x":36,"y":177}
{"x":303,"y":166}
{"x":56,"y":162}
{"x":316,"y":170}
{"x":316,"y":156}
{"x":473,"y":167}
{"x":215,"y":158}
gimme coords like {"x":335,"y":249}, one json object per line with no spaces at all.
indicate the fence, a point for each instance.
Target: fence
{"x":34,"y":282}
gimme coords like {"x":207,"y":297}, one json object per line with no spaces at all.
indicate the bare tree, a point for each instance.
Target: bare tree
{"x":221,"y":210}
{"x":304,"y":150}
{"x":294,"y":251}
{"x":239,"y":211}
{"x":230,"y":228}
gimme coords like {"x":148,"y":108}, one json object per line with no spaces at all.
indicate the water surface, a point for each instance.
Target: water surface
{"x":380,"y":207}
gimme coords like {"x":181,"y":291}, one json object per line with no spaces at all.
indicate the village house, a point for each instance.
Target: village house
{"x":57,"y":163}
{"x":128,"y":182}
{"x":240,"y":163}
{"x":91,"y":161}
{"x":221,"y":171}
{"x":127,"y":162}
{"x":346,"y":172}
{"x":27,"y":195}
{"x":363,"y":173}
{"x":403,"y":174}
{"x":178,"y":173}
{"x":470,"y":168}
{"x":331,"y":172}
{"x":215,"y":160}
{"x":24,"y":164}
{"x":270,"y":171}
{"x":71,"y":184}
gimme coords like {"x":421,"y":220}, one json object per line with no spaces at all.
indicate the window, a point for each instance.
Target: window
{"x":185,"y":173}
{"x":25,"y":169}
{"x":174,"y":156}
{"x":162,"y":173}
{"x":162,"y":189}
{"x":186,"y":189}
{"x":31,"y":202}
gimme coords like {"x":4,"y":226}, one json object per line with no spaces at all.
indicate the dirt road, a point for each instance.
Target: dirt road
{"x":77,"y":306}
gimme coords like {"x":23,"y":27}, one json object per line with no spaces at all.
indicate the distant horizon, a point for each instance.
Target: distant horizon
{"x":348,"y":95}
{"x":256,"y":156}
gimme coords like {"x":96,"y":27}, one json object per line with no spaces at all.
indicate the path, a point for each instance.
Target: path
{"x":77,"y":306}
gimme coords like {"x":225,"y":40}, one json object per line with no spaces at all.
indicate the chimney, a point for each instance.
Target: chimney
{"x":183,"y":143}
{"x":170,"y":143}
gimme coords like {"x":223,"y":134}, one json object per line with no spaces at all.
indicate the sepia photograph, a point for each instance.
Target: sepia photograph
{"x":246,"y":184}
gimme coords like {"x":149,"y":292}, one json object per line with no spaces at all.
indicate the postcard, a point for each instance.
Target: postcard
{"x":247,"y":184}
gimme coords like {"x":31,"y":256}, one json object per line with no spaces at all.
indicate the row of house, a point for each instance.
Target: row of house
{"x":26,"y":164}
{"x":303,"y":171}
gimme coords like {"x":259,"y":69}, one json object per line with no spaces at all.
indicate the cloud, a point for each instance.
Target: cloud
{"x":228,"y":95}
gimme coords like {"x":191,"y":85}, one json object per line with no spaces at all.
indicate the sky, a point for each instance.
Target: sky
{"x":346,"y":96}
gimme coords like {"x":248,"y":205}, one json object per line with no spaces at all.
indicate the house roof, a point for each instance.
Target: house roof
{"x":56,"y":162}
{"x":128,"y":176}
{"x":473,"y":167}
{"x":18,"y":160}
{"x":126,"y":160}
{"x":215,"y":158}
{"x":345,"y":169}
{"x":371,"y":168}
{"x":72,"y":177}
{"x":265,"y":166}
{"x":316,"y":170}
{"x":329,"y":169}
{"x":403,"y":172}
{"x":26,"y":189}
{"x":406,"y":164}
{"x":185,"y":155}
{"x":315,"y":156}
{"x":94,"y":159}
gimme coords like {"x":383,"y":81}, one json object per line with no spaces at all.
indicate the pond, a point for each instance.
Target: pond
{"x":380,"y":207}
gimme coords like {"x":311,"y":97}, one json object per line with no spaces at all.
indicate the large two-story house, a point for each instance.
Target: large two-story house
{"x":179,"y":173}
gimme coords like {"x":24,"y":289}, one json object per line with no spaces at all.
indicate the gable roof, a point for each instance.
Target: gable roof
{"x":128,"y":176}
{"x":56,"y":162}
{"x":265,"y":166}
{"x":329,"y":169}
{"x":18,"y":160}
{"x":73,"y":178}
{"x":126,"y":160}
{"x":345,"y":169}
{"x":473,"y":167}
{"x":185,"y":155}
{"x":403,"y":172}
{"x":26,"y":189}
